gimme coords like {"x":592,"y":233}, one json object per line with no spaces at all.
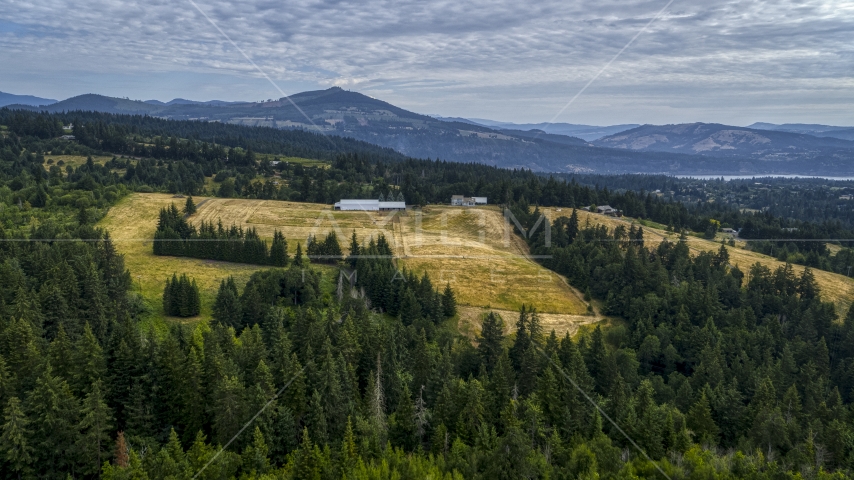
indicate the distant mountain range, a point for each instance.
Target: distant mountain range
{"x":732,"y":142}
{"x":181,"y":101}
{"x":675,"y":149}
{"x":585,"y":132}
{"x":29,"y":100}
{"x":845,"y":133}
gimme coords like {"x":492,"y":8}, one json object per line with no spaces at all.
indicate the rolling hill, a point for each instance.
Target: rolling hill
{"x":26,"y":100}
{"x":753,"y":150}
{"x":689,"y":149}
{"x":464,"y":247}
{"x":844,"y":133}
{"x":585,"y":132}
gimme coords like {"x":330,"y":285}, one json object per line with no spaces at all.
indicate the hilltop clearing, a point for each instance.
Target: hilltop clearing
{"x":468,"y":248}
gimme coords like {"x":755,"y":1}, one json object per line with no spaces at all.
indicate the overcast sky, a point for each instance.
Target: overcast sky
{"x":711,"y":60}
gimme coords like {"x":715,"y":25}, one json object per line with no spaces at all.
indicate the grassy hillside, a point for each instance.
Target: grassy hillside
{"x":132,"y":222}
{"x":467,"y":248}
{"x":835,"y":288}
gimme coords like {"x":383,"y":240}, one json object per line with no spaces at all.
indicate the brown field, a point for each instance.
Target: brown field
{"x":471,"y":319}
{"x":835,"y":288}
{"x":465,"y":247}
{"x":74,"y":160}
{"x":131,"y":224}
{"x":487,"y":266}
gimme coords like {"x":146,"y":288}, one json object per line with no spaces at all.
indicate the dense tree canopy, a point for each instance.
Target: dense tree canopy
{"x":706,"y":371}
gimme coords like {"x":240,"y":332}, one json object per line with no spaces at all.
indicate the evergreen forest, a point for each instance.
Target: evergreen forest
{"x":312,"y":372}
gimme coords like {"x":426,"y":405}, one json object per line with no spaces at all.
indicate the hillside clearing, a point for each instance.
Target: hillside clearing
{"x":131,"y":224}
{"x":835,"y":288}
{"x":464,"y":247}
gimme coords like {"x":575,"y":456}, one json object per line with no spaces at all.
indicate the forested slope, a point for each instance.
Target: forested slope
{"x":706,"y":376}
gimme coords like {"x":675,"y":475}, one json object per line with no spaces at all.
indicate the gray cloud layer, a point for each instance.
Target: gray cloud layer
{"x":733,"y":62}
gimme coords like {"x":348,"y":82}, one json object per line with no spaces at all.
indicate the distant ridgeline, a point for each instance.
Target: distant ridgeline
{"x":175,"y":236}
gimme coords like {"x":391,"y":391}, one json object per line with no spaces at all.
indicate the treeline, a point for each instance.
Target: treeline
{"x":124,"y":134}
{"x":398,"y":292}
{"x":751,"y":364}
{"x":177,"y":237}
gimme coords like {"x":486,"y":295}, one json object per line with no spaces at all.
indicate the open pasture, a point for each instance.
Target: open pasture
{"x":468,"y":248}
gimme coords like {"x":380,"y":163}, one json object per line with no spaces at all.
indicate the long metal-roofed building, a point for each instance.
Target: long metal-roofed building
{"x":462,"y":201}
{"x":368,"y":205}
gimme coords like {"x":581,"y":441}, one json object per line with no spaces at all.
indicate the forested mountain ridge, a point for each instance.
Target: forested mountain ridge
{"x":728,"y":141}
{"x":845,"y":133}
{"x":350,"y":114}
{"x":24,"y":100}
{"x":586,"y":132}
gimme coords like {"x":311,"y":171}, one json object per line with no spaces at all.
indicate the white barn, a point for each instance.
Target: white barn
{"x":368,"y":205}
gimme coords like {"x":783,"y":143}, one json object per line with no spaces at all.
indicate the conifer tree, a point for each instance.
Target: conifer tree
{"x":349,"y":451}
{"x":449,"y":302}
{"x":181,"y":297}
{"x":255,"y":455}
{"x":298,"y":259}
{"x":317,"y":418}
{"x":121,"y":451}
{"x":95,"y":425}
{"x":89,"y":365}
{"x":169,"y":298}
{"x":402,"y":429}
{"x":377,"y":400}
{"x":491,"y":341}
{"x":61,"y":353}
{"x":597,"y":361}
{"x":189,"y":207}
{"x":54,"y":413}
{"x":307,"y":462}
{"x":700,"y":420}
{"x":226,"y":308}
{"x":279,"y":250}
{"x":15,"y":437}
{"x":355,"y":250}
{"x":138,"y":410}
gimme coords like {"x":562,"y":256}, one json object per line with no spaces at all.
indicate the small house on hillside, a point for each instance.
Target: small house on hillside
{"x":609,"y":211}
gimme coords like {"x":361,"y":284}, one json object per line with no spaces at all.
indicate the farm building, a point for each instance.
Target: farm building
{"x":462,"y":201}
{"x":368,"y":205}
{"x":608,"y":210}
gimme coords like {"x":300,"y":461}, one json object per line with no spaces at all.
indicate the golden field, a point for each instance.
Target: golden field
{"x":131,"y":224}
{"x":470,"y":248}
{"x":467,"y":248}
